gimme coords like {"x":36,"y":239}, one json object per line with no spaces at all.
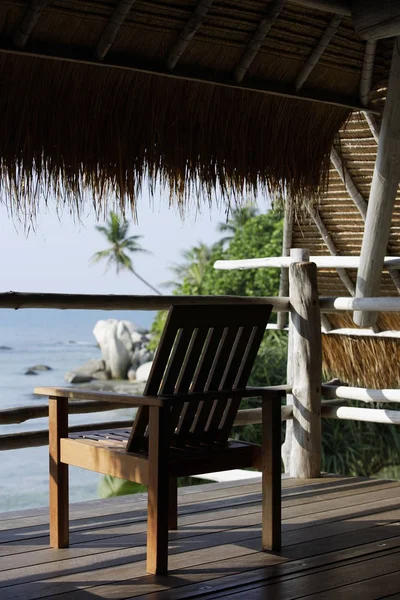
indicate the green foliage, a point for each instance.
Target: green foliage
{"x":257,"y":237}
{"x":359,"y":449}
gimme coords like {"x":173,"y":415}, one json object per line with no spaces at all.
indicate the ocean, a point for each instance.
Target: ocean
{"x":62,"y":340}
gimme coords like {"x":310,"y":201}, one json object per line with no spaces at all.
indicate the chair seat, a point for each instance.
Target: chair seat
{"x":104,"y":451}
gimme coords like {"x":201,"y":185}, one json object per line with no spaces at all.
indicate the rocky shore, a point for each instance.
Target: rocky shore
{"x":126,"y":359}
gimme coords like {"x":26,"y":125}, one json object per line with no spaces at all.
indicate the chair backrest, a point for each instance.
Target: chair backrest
{"x":202,"y":348}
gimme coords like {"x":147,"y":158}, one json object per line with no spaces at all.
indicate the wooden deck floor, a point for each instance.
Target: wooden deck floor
{"x":340,"y":540}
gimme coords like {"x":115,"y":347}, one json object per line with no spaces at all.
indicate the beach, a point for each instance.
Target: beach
{"x":62,"y":340}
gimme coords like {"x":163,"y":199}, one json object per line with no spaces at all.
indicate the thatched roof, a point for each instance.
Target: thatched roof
{"x":200,"y":96}
{"x":366,"y":361}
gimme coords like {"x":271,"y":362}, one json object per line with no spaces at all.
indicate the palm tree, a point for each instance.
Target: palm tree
{"x":236,"y":220}
{"x":193,"y":269}
{"x":115,"y":230}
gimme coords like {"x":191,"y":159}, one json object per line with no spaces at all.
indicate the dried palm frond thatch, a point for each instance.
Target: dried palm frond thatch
{"x":73,"y":130}
{"x":363,"y":361}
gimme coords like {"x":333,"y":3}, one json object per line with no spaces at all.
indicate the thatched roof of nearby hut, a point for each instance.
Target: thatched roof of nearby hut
{"x":202,"y":96}
{"x":366,"y":361}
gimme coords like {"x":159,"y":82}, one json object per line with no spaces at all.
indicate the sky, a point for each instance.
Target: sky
{"x":56,"y":256}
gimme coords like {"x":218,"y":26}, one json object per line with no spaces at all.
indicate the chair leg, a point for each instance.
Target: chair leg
{"x":158,"y":492}
{"x":59,"y":501}
{"x":271,"y":474}
{"x":173,"y":504}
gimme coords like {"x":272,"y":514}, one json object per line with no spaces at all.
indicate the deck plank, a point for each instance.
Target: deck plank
{"x":329,"y":525}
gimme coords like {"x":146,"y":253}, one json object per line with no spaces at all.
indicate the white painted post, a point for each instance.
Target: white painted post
{"x":305,"y":370}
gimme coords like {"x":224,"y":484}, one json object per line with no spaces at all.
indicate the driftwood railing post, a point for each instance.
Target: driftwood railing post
{"x":299,"y":255}
{"x":304,"y":370}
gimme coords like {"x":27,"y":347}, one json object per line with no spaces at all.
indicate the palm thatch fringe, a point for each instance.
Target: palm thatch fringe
{"x":363,"y":361}
{"x":81,"y":131}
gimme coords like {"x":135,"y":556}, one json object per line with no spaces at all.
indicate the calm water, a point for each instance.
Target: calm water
{"x":62,"y":340}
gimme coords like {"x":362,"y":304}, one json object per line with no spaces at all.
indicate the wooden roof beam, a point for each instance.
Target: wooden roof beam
{"x":330,"y":244}
{"x":319,"y":50}
{"x":374,"y":19}
{"x":28,"y":22}
{"x":365,"y":86}
{"x":188,"y":32}
{"x":62,"y":52}
{"x":382,"y":196}
{"x":111,"y":29}
{"x":339,"y":7}
{"x":273,"y":10}
{"x":350,"y":186}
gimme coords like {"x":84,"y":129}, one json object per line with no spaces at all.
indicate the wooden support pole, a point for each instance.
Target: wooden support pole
{"x":188,"y":32}
{"x":273,"y":10}
{"x":306,"y":370}
{"x":271,"y":473}
{"x":297,"y":254}
{"x":158,"y":491}
{"x":382,"y":195}
{"x":28,"y":22}
{"x":318,"y":51}
{"x":373,"y":125}
{"x":286,"y":245}
{"x":365,"y":86}
{"x":111,"y":29}
{"x":59,"y":502}
{"x":367,"y":72}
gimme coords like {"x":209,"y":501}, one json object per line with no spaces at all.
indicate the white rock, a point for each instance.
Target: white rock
{"x":115,"y":341}
{"x":143,"y":372}
{"x":132,"y":374}
{"x":77,"y":378}
{"x":137,"y":338}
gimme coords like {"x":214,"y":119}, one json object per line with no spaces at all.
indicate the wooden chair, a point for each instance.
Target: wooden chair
{"x":185,"y":416}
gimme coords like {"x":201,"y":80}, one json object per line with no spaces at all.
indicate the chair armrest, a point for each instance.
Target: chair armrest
{"x":83,"y":394}
{"x":273,"y":391}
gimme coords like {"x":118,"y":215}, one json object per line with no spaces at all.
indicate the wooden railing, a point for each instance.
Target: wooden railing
{"x":305,"y":406}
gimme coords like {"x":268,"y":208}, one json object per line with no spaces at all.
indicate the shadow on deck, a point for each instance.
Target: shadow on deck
{"x":341,"y":539}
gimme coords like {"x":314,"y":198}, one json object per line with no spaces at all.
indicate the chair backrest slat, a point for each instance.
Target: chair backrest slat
{"x":202,"y":349}
{"x":242,"y":377}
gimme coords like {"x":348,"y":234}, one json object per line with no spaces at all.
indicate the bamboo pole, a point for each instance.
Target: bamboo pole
{"x":382,"y":304}
{"x":361,"y":394}
{"x":323,"y":262}
{"x":113,"y":26}
{"x":368,"y":415}
{"x":273,"y":10}
{"x":318,"y":51}
{"x":382,"y":195}
{"x":306,"y":371}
